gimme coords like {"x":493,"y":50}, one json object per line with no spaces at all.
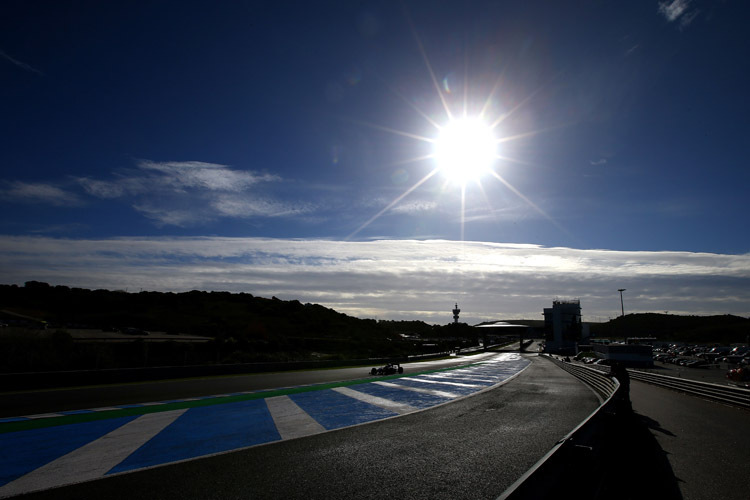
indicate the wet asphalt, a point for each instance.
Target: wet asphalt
{"x":469,"y":449}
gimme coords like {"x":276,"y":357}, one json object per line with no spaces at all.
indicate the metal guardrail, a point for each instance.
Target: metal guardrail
{"x":545,"y":478}
{"x":604,"y":386}
{"x":726,"y":394}
{"x":598,"y":440}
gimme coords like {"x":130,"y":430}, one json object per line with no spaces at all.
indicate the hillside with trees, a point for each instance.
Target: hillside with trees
{"x":42,"y":327}
{"x":240,"y":328}
{"x":720,"y":329}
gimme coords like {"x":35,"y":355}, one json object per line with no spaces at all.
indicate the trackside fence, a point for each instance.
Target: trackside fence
{"x":585,"y":448}
{"x":725,"y":394}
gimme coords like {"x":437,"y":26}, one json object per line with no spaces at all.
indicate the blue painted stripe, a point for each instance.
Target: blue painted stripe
{"x":415,"y":399}
{"x":227,"y":426}
{"x":206,"y":430}
{"x":22,"y":452}
{"x":13,"y":419}
{"x":462,"y":380}
{"x":455,"y":389}
{"x":333,"y":410}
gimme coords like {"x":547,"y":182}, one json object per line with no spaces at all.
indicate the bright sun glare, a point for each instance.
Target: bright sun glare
{"x":465,"y":149}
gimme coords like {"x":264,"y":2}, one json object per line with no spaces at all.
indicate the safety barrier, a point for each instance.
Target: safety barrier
{"x":583,"y":449}
{"x":726,"y":394}
{"x":604,"y":386}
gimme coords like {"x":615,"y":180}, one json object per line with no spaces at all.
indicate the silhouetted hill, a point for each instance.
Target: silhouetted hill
{"x":243,"y":327}
{"x":721,"y":329}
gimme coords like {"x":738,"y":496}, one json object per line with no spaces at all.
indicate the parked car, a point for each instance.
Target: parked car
{"x":716,"y":352}
{"x":736,"y":355}
{"x":740,"y":376}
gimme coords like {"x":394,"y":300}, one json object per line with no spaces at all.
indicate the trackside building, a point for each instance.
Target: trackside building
{"x":562,"y":326}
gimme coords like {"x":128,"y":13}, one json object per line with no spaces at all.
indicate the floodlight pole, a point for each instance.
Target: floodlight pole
{"x":622,"y":305}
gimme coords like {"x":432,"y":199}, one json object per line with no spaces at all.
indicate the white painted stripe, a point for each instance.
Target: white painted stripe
{"x":453,"y":377}
{"x":94,"y":459}
{"x":44,"y":415}
{"x":395,"y":406}
{"x":457,"y":384}
{"x":442,"y":394}
{"x":107,"y":408}
{"x":291,"y":420}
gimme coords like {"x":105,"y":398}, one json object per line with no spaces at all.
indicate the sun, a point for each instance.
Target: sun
{"x":465,"y":149}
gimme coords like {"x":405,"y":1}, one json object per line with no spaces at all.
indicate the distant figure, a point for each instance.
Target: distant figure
{"x":619,"y":372}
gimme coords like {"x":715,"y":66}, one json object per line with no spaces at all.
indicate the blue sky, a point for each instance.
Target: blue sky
{"x":285,"y":148}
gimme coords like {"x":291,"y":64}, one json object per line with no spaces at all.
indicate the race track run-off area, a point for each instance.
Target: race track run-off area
{"x":46,"y":451}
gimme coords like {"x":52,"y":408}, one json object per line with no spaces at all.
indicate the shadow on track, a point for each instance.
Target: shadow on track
{"x":617,"y":457}
{"x":633,"y":465}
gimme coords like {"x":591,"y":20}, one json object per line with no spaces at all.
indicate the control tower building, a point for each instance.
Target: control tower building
{"x":562,"y":326}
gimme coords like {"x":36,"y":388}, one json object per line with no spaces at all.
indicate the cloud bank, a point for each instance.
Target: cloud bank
{"x":185,"y":193}
{"x":394,"y":279}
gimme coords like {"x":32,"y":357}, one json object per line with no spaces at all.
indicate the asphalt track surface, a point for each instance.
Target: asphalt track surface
{"x":706,"y":444}
{"x":75,"y":398}
{"x":470,"y":448}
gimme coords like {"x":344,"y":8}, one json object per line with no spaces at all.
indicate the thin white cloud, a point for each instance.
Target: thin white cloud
{"x":674,"y":9}
{"x":171,"y":215}
{"x":632,"y":50}
{"x":415,"y":207}
{"x":200,"y":175}
{"x":25,"y":192}
{"x":188,"y":193}
{"x":177,"y":177}
{"x":243,"y":206}
{"x":401,"y":279}
{"x":678,"y":10}
{"x":22,"y":65}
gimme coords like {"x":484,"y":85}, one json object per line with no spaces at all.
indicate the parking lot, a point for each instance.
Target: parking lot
{"x":706,"y":364}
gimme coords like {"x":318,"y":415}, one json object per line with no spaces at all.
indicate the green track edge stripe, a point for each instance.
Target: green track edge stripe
{"x":24,"y":425}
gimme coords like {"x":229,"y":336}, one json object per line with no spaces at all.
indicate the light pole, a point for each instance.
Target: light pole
{"x":622,"y":305}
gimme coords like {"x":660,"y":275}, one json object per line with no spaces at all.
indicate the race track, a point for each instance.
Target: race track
{"x":57,"y":449}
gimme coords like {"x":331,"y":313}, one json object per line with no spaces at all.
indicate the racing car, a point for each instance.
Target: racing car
{"x":388,"y":369}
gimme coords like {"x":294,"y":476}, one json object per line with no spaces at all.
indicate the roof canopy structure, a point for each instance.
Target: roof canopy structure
{"x":501,"y":324}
